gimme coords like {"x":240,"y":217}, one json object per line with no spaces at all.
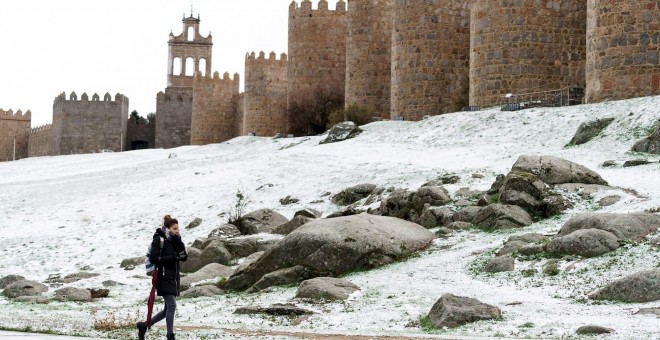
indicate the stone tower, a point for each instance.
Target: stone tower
{"x":430,"y":57}
{"x":14,"y":127}
{"x":265,"y":97}
{"x":623,"y":50}
{"x":317,"y":51}
{"x":189,"y":53}
{"x":369,"y":54}
{"x":525,"y":46}
{"x":215,"y":117}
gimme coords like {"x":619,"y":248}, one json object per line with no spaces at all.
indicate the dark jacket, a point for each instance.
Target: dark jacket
{"x":167,"y":262}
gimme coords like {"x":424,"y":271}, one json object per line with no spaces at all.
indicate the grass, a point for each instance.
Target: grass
{"x":426,"y":325}
{"x":111,"y":321}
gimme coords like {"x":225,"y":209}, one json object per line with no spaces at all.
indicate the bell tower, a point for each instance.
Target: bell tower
{"x":189,"y":53}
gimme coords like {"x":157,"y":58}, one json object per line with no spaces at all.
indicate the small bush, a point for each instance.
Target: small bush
{"x":239,"y":208}
{"x":357,"y":114}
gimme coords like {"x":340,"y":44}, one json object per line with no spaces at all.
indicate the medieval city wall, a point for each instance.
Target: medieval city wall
{"x":140,"y":135}
{"x":173,"y":117}
{"x":265,"y":96}
{"x":430,"y":57}
{"x":369,"y":55}
{"x":41,"y":141}
{"x":623,"y":50}
{"x":214,"y":115}
{"x":89,"y":125}
{"x":14,"y":125}
{"x":520,"y":46}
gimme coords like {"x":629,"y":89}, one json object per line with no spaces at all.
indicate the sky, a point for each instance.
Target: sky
{"x":52,"y":46}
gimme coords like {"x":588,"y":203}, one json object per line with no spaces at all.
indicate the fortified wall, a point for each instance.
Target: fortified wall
{"x":430,"y":57}
{"x":215,"y":118}
{"x":173,"y":117}
{"x":369,"y":54}
{"x":265,"y":97}
{"x":87,"y":126}
{"x":317,"y":51}
{"x":140,"y":134}
{"x":41,"y":141}
{"x":623,"y":49}
{"x":14,"y":125}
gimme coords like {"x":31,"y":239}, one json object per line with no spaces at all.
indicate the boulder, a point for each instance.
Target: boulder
{"x":588,"y":130}
{"x":458,"y":225}
{"x":554,"y":170}
{"x":194,"y":261}
{"x":9,"y":279}
{"x":585,"y":191}
{"x":426,"y":218}
{"x":99,"y":293}
{"x":195,"y":223}
{"x":281,"y":277}
{"x":214,"y":252}
{"x":342,"y":132}
{"x":500,"y":264}
{"x":529,"y":238}
{"x":202,"y":291}
{"x":434,"y":196}
{"x":500,"y":216}
{"x":346,"y":211}
{"x":635,"y":162}
{"x":511,"y":247}
{"x":244,"y":246}
{"x":609,"y":200}
{"x":640,"y":287}
{"x":532,"y":249}
{"x":24,"y":288}
{"x":295,"y":223}
{"x":326,"y":288}
{"x":81,"y":276}
{"x":650,"y":144}
{"x":551,"y":268}
{"x":593,"y":329}
{"x":210,"y":271}
{"x":495,"y":187}
{"x":308,"y":212}
{"x":584,"y":242}
{"x":330,"y":247}
{"x":42,"y":300}
{"x":467,"y":214}
{"x":73,"y":294}
{"x":261,"y":221}
{"x":289,"y":200}
{"x":609,"y":164}
{"x":353,"y":194}
{"x":398,"y":204}
{"x":132,"y":262}
{"x":276,"y":309}
{"x":225,"y":231}
{"x":633,"y":227}
{"x":111,"y":283}
{"x":453,"y":311}
{"x":554,"y":205}
{"x":524,"y":190}
{"x":248,"y":260}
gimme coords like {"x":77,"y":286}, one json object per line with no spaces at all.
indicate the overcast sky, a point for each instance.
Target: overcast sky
{"x":53,"y":46}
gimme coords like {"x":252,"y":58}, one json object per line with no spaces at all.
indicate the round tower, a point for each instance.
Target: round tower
{"x":623,"y":50}
{"x":264,"y":100}
{"x":430,"y":57}
{"x":523,"y":46}
{"x":368,"y":55}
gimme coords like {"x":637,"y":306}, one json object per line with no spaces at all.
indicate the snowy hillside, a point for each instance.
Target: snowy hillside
{"x":60,"y":215}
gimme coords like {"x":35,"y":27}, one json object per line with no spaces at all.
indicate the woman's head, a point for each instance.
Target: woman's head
{"x":171,"y":224}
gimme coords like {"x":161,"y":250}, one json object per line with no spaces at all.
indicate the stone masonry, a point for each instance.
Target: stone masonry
{"x":430,"y":57}
{"x":520,"y":46}
{"x":14,"y":125}
{"x":214,"y":117}
{"x":41,"y":141}
{"x":369,"y":55}
{"x":623,"y":49}
{"x":265,"y":94}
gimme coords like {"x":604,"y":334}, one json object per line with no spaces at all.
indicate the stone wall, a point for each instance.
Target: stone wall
{"x":369,"y":54}
{"x":18,"y":125}
{"x":265,"y":96}
{"x":173,"y":117}
{"x":41,"y":141}
{"x":623,"y":49}
{"x":520,"y":46}
{"x":317,"y":51}
{"x":430,"y":57}
{"x":215,"y":117}
{"x":140,"y":135}
{"x":87,"y":126}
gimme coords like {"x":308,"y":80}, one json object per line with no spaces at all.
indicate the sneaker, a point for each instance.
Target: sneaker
{"x":142,"y":330}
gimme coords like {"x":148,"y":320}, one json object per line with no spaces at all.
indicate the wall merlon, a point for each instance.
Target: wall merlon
{"x":73,"y":97}
{"x":18,"y":115}
{"x":252,"y":59}
{"x":306,"y":6}
{"x":42,"y":128}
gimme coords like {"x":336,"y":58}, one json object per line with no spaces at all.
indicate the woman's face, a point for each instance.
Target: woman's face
{"x":174,"y":229}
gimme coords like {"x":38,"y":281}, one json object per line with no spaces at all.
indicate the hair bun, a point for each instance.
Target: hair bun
{"x":167,"y":217}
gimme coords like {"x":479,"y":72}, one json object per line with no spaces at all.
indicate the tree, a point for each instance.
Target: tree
{"x":151,"y":118}
{"x":309,"y":111}
{"x":136,"y":118}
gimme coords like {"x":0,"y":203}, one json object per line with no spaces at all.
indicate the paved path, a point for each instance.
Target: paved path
{"x":28,"y":336}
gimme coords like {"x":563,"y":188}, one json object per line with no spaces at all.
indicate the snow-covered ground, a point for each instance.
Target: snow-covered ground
{"x":59,"y":215}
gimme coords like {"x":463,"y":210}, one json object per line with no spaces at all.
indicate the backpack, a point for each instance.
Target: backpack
{"x":148,"y":266}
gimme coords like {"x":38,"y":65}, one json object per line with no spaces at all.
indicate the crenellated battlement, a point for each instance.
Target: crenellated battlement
{"x":42,"y":128}
{"x":252,"y":59}
{"x":216,"y":77}
{"x":73,"y":97}
{"x":18,"y":115}
{"x":306,"y":6}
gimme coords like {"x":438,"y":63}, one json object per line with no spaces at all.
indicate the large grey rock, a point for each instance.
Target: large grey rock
{"x":194,"y":261}
{"x":453,"y":311}
{"x":636,"y":162}
{"x":353,"y":194}
{"x":554,"y":205}
{"x":132,"y":262}
{"x":650,"y":144}
{"x":326,"y":288}
{"x":467,"y":214}
{"x":244,"y":246}
{"x":524,"y":190}
{"x":225,"y":231}
{"x":276,"y":309}
{"x":210,"y":271}
{"x":398,"y":204}
{"x":330,"y":247}
{"x":213,"y":252}
{"x":585,"y":191}
{"x":99,"y":293}
{"x":500,"y":264}
{"x":529,"y":238}
{"x":426,"y":218}
{"x":9,"y":279}
{"x":625,"y":226}
{"x":249,"y":260}
{"x":500,"y":216}
{"x":554,"y":170}
{"x":261,"y":221}
{"x":81,"y":276}
{"x":640,"y":287}
{"x":281,"y":277}
{"x":202,"y":291}
{"x":588,"y":130}
{"x":42,"y":300}
{"x":194,"y":223}
{"x":73,"y":294}
{"x":342,"y":132}
{"x":511,"y":247}
{"x":434,"y":196}
{"x":24,"y":288}
{"x":295,"y":223}
{"x":584,"y":242}
{"x":308,"y":212}
{"x":593,"y":329}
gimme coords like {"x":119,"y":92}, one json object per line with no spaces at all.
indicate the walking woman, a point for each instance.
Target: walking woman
{"x":166,"y":251}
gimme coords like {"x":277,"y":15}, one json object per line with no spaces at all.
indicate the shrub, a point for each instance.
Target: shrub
{"x":355,"y":113}
{"x":239,"y":208}
{"x":309,"y":111}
